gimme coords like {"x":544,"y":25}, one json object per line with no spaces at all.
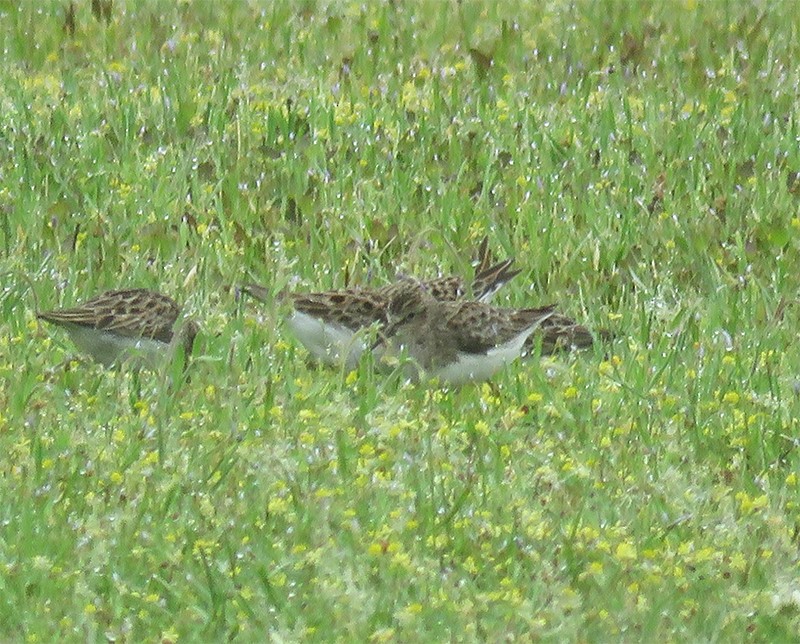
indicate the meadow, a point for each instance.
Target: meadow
{"x":641,"y":161}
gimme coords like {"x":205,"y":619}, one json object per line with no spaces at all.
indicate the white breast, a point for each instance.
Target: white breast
{"x":109,"y":348}
{"x":328,"y":343}
{"x":477,"y":367}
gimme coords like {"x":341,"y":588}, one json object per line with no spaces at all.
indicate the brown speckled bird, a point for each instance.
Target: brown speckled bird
{"x":328,"y":323}
{"x":456,"y":341}
{"x":118,"y":325}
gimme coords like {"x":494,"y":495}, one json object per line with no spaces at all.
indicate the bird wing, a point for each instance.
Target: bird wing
{"x":351,"y":308}
{"x":478,"y":328}
{"x":135,"y":313}
{"x":491,"y":279}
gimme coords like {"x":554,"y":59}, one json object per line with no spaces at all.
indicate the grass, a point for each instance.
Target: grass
{"x":639,"y":160}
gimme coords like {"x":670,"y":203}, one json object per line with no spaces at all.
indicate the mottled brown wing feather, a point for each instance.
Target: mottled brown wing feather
{"x":488,"y":280}
{"x":135,"y":313}
{"x":496,"y":328}
{"x":351,"y":308}
{"x":443,"y":289}
{"x":446,"y":289}
{"x":489,"y":277}
{"x":561,"y":332}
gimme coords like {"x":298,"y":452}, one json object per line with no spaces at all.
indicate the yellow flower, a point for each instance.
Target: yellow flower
{"x":749,"y":504}
{"x":307,"y":414}
{"x":205,"y":546}
{"x":731,"y":397}
{"x":277,"y":505}
{"x":626,"y":552}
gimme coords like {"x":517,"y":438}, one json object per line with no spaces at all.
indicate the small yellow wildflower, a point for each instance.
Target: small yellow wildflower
{"x":626,"y":552}
{"x":731,"y":397}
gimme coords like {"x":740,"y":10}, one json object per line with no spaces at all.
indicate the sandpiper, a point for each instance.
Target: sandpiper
{"x":455,"y":341}
{"x":332,"y":324}
{"x":118,"y":325}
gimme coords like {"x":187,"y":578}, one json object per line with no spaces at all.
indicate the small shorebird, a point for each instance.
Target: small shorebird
{"x":331,"y":324}
{"x":133,"y":323}
{"x":456,"y":341}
